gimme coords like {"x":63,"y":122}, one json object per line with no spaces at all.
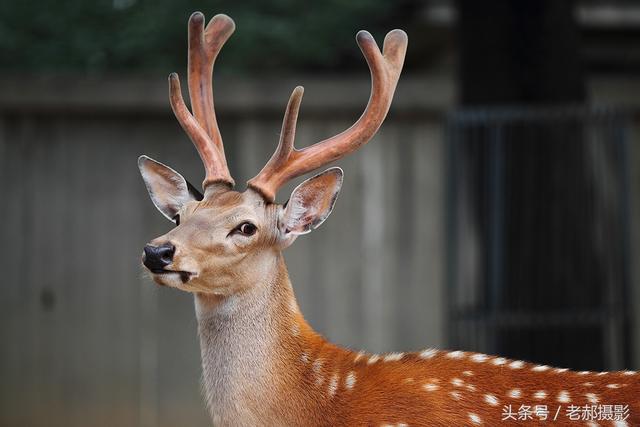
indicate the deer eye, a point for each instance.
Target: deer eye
{"x":246,"y":229}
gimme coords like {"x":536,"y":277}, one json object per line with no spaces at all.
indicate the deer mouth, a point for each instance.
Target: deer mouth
{"x":184,"y":275}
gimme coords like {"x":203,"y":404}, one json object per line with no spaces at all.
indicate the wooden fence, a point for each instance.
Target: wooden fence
{"x":89,"y":340}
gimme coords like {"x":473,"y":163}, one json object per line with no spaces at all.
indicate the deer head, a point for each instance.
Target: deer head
{"x":224,"y":235}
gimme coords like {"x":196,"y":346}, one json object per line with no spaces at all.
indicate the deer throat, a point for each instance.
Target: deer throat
{"x":245,"y":346}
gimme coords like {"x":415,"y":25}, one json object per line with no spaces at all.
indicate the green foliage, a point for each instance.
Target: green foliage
{"x":125,"y":35}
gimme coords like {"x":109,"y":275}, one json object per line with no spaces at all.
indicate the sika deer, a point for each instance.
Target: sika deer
{"x":262,"y":363}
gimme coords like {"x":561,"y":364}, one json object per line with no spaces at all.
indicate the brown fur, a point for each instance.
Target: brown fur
{"x":392,"y":392}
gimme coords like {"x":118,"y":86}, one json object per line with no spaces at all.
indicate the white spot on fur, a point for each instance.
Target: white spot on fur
{"x":592,"y":398}
{"x":350,"y":380}
{"x":515,"y":393}
{"x":584,"y":373}
{"x":613,"y":386}
{"x":428,"y":353}
{"x":431,"y":386}
{"x":517,"y":364}
{"x":589,"y":384}
{"x":373,"y":359}
{"x":629,"y":373}
{"x":540,"y":368}
{"x":491,"y":399}
{"x":408,"y":381}
{"x":475,"y":418}
{"x":561,"y":370}
{"x":359,"y":356}
{"x":601,"y":373}
{"x":402,"y":425}
{"x":333,"y":384}
{"x":499,"y":361}
{"x":540,"y":394}
{"x":304,"y":357}
{"x":479,"y":357}
{"x":317,"y":369}
{"x":393,"y":357}
{"x":455,"y":354}
{"x":457,"y":382}
{"x":470,"y":387}
{"x":620,"y":424}
{"x":455,"y":395}
{"x":468,"y":373}
{"x":563,"y":397}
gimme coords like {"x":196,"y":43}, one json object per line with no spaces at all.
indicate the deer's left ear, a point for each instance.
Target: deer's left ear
{"x":311,"y":203}
{"x":168,"y":190}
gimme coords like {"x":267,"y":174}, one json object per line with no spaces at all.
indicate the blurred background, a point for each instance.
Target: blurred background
{"x":498,"y":209}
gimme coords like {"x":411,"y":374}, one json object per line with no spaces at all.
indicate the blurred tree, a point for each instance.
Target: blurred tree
{"x":54,"y":35}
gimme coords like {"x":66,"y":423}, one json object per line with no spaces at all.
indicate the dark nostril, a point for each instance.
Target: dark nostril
{"x":166,"y":253}
{"x":158,"y":257}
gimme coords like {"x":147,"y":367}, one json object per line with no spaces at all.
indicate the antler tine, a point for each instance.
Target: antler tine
{"x":202,"y":127}
{"x":204,"y":46}
{"x":288,"y":163}
{"x":288,"y":132}
{"x":214,"y":161}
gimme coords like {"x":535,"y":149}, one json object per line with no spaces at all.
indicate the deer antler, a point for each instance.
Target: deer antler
{"x":288,"y":163}
{"x":201,"y":126}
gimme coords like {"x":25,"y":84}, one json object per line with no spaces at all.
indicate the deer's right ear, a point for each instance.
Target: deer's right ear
{"x":169,"y":191}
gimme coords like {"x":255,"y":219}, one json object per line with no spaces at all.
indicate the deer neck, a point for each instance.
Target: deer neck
{"x":247,"y":342}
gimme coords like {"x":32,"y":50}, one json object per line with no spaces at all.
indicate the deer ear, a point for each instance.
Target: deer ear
{"x":168,"y":190}
{"x":311,"y":203}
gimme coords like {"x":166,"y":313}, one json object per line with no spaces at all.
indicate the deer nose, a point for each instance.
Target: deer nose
{"x":156,"y":258}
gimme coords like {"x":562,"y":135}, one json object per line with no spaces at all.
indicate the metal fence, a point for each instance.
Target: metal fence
{"x":539,"y":235}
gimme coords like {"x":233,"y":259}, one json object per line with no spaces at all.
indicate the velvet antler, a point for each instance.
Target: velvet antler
{"x":288,"y":163}
{"x":201,"y":126}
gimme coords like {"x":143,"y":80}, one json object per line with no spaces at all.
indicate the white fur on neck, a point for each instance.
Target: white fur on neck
{"x":237,"y":338}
